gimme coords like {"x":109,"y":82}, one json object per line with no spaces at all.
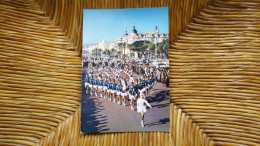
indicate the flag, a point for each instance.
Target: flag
{"x":124,"y":85}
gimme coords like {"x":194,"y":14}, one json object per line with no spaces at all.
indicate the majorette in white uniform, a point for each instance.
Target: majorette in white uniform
{"x":141,"y":107}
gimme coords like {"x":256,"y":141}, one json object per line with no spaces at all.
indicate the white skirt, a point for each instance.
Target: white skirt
{"x":100,"y":87}
{"x":113,"y":91}
{"x":90,"y":85}
{"x":86,"y":84}
{"x":132,"y":97}
{"x":108,"y":90}
{"x":124,"y":94}
{"x":95,"y":86}
{"x":104,"y":87}
{"x":141,"y":109}
{"x":118,"y":93}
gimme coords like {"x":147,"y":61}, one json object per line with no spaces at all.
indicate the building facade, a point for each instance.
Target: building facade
{"x":126,"y":40}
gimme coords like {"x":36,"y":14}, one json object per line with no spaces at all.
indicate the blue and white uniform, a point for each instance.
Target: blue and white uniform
{"x":113,"y":90}
{"x":95,"y":83}
{"x":105,"y":85}
{"x":132,"y":92}
{"x":119,"y":89}
{"x":140,"y":87}
{"x":87,"y":81}
{"x":100,"y":84}
{"x":109,"y":88}
{"x":91,"y":83}
{"x":123,"y":93}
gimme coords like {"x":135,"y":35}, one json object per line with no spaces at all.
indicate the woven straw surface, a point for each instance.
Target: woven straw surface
{"x":216,"y":69}
{"x":214,"y":73}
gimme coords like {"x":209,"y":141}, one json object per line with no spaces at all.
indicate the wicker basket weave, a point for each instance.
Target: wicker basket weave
{"x":214,"y":69}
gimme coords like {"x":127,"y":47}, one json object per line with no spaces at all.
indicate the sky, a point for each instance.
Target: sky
{"x":109,"y":24}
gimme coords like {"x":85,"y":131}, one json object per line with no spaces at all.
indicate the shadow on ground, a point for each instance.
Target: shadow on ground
{"x":92,"y":121}
{"x":160,"y":122}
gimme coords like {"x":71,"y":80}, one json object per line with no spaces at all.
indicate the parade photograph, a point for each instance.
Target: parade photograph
{"x":125,"y":70}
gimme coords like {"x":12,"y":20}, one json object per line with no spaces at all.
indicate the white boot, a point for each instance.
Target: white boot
{"x":114,"y":100}
{"x":118,"y":102}
{"x":96,"y":94}
{"x":142,"y":123}
{"x":91,"y":93}
{"x":124,"y":103}
{"x":101,"y":95}
{"x":132,"y":108}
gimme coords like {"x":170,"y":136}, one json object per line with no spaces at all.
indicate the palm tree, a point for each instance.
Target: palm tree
{"x":120,"y":45}
{"x":131,"y":48}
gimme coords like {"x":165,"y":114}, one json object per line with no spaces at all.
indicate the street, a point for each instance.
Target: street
{"x":99,"y":115}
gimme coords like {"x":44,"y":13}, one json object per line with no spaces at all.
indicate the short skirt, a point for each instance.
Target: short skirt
{"x":118,"y":93}
{"x":141,"y":109}
{"x":113,"y":91}
{"x":132,"y":97}
{"x":123,"y":94}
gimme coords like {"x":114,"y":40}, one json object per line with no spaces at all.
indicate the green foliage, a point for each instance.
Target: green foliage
{"x":140,"y":46}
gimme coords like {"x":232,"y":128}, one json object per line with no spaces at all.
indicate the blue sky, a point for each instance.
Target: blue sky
{"x":109,"y":24}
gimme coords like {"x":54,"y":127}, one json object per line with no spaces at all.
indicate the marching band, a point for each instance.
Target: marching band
{"x":111,"y":82}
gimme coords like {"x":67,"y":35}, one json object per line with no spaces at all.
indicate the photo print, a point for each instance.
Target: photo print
{"x":125,"y":70}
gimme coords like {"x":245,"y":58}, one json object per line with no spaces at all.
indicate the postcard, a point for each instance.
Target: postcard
{"x":125,"y":70}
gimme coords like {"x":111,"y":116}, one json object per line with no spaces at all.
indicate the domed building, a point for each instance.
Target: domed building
{"x":127,"y":39}
{"x":135,"y":36}
{"x":133,"y":32}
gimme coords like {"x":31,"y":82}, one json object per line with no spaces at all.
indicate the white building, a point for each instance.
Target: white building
{"x":127,"y":39}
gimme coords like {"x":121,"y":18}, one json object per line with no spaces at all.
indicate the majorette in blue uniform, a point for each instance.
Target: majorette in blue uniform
{"x":110,"y":86}
{"x":87,"y":82}
{"x":113,"y":90}
{"x":105,"y":87}
{"x":152,"y":82}
{"x":132,"y":91}
{"x":136,"y":86}
{"x":91,"y":84}
{"x":149,"y":82}
{"x":100,"y":85}
{"x":96,"y":81}
{"x":132,"y":94}
{"x":124,"y":91}
{"x":119,"y":89}
{"x":141,"y":86}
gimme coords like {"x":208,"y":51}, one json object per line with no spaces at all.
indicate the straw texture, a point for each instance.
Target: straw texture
{"x":214,"y":73}
{"x":68,"y":14}
{"x":215,"y":70}
{"x":41,"y":74}
{"x":40,"y":77}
